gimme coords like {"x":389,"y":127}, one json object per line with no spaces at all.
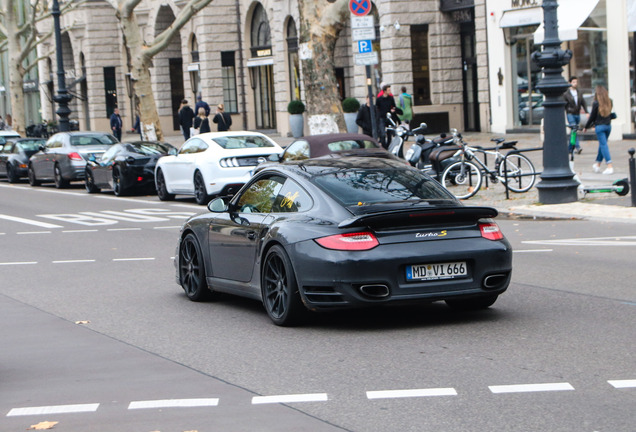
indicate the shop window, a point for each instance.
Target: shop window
{"x":294,"y":62}
{"x":420,"y":65}
{"x":228,"y":66}
{"x":110,"y":88}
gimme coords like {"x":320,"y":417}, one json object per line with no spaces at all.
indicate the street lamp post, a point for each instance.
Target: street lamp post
{"x":62,"y":98}
{"x":557,"y":183}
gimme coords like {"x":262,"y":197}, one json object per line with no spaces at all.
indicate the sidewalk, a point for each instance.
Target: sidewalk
{"x":598,"y":206}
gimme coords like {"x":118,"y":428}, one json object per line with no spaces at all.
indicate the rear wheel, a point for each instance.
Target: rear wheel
{"x":33,"y":181}
{"x":12,"y":176}
{"x":192,"y":269}
{"x":89,"y":182}
{"x":60,"y":182}
{"x":118,"y":183}
{"x":475,"y":303}
{"x":462,"y":179}
{"x":200,"y":193}
{"x":519,"y":171}
{"x":281,"y":297}
{"x":162,"y":190}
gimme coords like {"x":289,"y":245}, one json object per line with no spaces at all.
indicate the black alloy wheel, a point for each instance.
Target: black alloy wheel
{"x":200,"y":193}
{"x":472,"y":304}
{"x":118,"y":182}
{"x":33,"y":181}
{"x":192,"y":270}
{"x":60,"y":182}
{"x":12,"y":177}
{"x":281,"y":297}
{"x":162,"y":191}
{"x":89,"y":182}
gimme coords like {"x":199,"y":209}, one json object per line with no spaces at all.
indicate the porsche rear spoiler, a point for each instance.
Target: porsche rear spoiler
{"x":419,"y":216}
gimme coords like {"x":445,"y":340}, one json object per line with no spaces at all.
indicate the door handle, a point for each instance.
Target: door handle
{"x":251,"y":235}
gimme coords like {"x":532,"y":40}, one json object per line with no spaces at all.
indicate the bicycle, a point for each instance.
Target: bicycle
{"x":464,"y":177}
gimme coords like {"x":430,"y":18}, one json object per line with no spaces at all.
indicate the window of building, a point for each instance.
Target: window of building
{"x":420,"y":65}
{"x":110,"y":88}
{"x":294,"y":63}
{"x":194,"y":49}
{"x":228,"y":66}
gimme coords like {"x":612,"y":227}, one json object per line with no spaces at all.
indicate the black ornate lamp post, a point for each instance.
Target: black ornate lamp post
{"x":557,"y":183}
{"x":63,"y":97}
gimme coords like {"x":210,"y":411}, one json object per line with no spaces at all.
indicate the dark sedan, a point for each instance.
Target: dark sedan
{"x":63,"y":158}
{"x":14,"y":157}
{"x":341,"y":233}
{"x":125,"y":167}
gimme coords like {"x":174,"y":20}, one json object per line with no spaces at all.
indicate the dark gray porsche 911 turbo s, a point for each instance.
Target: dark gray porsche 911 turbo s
{"x":321,"y":234}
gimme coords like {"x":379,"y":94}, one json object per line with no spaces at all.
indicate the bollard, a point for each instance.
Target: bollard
{"x":632,"y":174}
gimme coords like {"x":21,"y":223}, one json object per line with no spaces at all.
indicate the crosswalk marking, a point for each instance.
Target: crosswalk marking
{"x":53,"y":409}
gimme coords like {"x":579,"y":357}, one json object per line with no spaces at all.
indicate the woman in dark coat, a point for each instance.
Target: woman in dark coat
{"x":201,"y":121}
{"x":223,"y":119}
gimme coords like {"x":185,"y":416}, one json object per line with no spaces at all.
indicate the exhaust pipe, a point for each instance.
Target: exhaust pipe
{"x":494,"y":281}
{"x":375,"y":291}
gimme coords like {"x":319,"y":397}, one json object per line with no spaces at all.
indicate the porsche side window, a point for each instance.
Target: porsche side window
{"x":292,"y":198}
{"x":298,"y":150}
{"x":260,"y":196}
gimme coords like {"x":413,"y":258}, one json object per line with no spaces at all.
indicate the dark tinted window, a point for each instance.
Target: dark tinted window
{"x":147,"y":148}
{"x":237,"y":142}
{"x":371,"y":186}
{"x":92,"y":140}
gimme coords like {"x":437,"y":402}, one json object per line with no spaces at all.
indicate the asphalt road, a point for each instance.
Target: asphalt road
{"x":97,"y":336}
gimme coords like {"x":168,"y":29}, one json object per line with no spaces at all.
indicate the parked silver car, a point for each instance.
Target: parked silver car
{"x":63,"y":158}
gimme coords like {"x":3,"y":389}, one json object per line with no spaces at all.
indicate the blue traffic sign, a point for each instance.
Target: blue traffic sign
{"x":365,"y":46}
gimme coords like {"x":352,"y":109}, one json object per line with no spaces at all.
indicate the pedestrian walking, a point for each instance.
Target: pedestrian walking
{"x":405,"y":104}
{"x":202,"y":104}
{"x":574,"y":103}
{"x":137,"y":127}
{"x":116,"y":124}
{"x":385,"y":105}
{"x":601,"y":119}
{"x":201,"y":121}
{"x":222,"y":119}
{"x":186,"y":118}
{"x":363,"y":119}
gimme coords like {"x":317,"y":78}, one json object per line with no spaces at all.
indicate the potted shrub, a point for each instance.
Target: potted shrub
{"x":296,"y":109}
{"x":350,"y":106}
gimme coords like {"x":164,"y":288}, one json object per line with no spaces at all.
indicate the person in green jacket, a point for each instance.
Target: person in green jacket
{"x":405,"y":102}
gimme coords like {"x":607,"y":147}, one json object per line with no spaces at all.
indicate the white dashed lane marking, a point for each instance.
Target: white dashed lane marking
{"x":173,"y":403}
{"x":394,"y":394}
{"x":532,"y":250}
{"x":74,"y":261}
{"x":619,"y":384}
{"x":29,"y":221}
{"x":133,"y":259}
{"x":18,"y":263}
{"x":33,"y":232}
{"x":310,"y":397}
{"x":529,"y":388}
{"x":54,"y":409}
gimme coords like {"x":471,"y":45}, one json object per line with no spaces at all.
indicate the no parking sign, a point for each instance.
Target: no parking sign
{"x":360,"y":7}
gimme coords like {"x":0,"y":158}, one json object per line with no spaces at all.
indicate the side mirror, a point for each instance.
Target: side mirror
{"x":275,"y":157}
{"x":423,"y":125}
{"x":42,"y":147}
{"x":218,"y":205}
{"x":173,"y":151}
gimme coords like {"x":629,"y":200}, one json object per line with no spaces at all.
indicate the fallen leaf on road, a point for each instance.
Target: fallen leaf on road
{"x":82,"y":322}
{"x":43,"y":425}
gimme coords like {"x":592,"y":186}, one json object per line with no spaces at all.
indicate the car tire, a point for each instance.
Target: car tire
{"x":279,"y":289}
{"x":12,"y":177}
{"x":33,"y":181}
{"x":471,"y":304}
{"x":162,"y":190}
{"x":200,"y":193}
{"x":118,"y":182}
{"x":60,"y":182}
{"x":192,"y":270}
{"x":89,"y":182}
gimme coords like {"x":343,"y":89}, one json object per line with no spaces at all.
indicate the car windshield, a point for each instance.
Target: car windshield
{"x":148,"y":148}
{"x":92,"y":140}
{"x":31,"y":145}
{"x":358,"y":187}
{"x":350,"y":145}
{"x":239,"y":142}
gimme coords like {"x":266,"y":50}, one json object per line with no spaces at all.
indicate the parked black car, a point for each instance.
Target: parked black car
{"x":341,"y":233}
{"x":126,"y":167}
{"x":14,"y":157}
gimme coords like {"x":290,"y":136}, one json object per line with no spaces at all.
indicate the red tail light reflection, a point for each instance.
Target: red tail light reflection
{"x":349,"y":242}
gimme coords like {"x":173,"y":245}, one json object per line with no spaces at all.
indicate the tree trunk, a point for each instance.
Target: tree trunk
{"x":16,"y":72}
{"x":320,"y":25}
{"x":142,"y":84}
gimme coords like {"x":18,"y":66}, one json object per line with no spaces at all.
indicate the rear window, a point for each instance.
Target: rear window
{"x":147,"y":148}
{"x":87,"y":140}
{"x":350,"y":145}
{"x":364,"y":186}
{"x":239,"y":142}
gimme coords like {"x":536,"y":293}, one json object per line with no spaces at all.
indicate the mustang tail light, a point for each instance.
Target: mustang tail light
{"x":490,"y":230}
{"x":75,"y":156}
{"x":349,"y":242}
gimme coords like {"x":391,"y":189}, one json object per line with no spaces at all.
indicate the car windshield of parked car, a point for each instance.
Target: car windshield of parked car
{"x":147,"y":148}
{"x":359,"y":187}
{"x":30,"y":146}
{"x":245,"y":141}
{"x":87,"y":140}
{"x":350,"y":145}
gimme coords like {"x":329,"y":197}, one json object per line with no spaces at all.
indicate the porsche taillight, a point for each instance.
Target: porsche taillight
{"x":490,"y":231}
{"x":358,"y":241}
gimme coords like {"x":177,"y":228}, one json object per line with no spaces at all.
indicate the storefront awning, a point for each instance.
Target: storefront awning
{"x":521,"y":17}
{"x":571,"y":14}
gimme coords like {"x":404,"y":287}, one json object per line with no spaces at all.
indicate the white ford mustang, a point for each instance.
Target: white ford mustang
{"x":215,"y":163}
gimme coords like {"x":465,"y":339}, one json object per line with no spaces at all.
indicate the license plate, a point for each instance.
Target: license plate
{"x":425,"y":272}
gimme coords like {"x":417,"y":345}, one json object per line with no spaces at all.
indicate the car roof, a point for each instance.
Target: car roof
{"x":9,"y":133}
